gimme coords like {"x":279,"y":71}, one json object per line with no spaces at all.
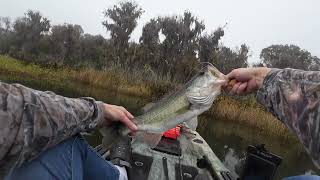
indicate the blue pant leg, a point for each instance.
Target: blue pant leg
{"x":72,"y":159}
{"x":303,"y":177}
{"x":96,"y":167}
{"x":55,"y":163}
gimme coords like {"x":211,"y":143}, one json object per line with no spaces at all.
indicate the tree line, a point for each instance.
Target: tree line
{"x":171,"y":46}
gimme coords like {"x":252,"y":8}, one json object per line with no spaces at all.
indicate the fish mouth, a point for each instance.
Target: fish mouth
{"x":208,"y":86}
{"x":215,"y":72}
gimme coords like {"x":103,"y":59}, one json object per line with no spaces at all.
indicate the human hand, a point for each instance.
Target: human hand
{"x":246,"y":80}
{"x":114,"y":113}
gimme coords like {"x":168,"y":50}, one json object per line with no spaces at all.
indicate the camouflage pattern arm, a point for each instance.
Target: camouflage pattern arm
{"x":293,"y":96}
{"x":33,"y":121}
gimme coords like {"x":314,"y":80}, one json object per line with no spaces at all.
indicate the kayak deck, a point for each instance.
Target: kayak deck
{"x":188,"y":157}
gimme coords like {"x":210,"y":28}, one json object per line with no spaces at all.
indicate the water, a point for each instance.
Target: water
{"x":227,"y":140}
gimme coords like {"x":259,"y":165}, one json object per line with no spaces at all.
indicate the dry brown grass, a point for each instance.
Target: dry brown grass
{"x":255,"y":116}
{"x":120,"y":81}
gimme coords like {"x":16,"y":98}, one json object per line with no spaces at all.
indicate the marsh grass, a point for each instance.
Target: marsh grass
{"x":143,"y":83}
{"x":139,"y":83}
{"x":248,"y":112}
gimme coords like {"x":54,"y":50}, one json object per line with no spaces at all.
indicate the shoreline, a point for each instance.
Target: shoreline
{"x":245,"y":111}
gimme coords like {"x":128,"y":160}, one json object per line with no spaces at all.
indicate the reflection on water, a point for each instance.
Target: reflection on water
{"x":227,"y":140}
{"x":231,"y":160}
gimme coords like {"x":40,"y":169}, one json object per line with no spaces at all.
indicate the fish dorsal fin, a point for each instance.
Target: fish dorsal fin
{"x":158,"y":103}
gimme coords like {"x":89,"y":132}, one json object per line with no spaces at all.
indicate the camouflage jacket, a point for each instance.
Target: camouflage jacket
{"x":293,"y":96}
{"x":32,"y":121}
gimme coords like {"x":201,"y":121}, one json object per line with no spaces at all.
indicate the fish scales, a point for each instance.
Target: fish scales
{"x":166,"y":110}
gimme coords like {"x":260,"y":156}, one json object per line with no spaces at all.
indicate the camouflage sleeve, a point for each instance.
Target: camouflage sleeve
{"x":32,"y":121}
{"x":293,"y":97}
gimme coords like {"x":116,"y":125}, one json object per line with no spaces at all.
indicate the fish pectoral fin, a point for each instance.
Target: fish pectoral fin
{"x":192,"y":123}
{"x":151,"y":139}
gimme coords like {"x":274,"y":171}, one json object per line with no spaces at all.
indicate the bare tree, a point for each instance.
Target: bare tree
{"x":5,"y":23}
{"x":226,"y":59}
{"x":6,"y":35}
{"x":66,"y":41}
{"x":150,"y":43}
{"x":208,"y":44}
{"x":181,"y":42}
{"x":150,"y":35}
{"x":28,"y":31}
{"x":120,"y":21}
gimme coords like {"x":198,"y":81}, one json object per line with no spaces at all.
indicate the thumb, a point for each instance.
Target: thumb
{"x":231,"y":75}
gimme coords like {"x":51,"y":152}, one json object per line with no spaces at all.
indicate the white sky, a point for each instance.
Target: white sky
{"x":258,"y":23}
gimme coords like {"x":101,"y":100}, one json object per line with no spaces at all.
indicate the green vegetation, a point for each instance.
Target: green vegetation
{"x":184,"y":44}
{"x":113,"y":79}
{"x":171,"y":46}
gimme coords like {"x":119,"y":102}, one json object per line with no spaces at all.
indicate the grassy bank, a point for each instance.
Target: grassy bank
{"x":112,"y":79}
{"x":249,"y":113}
{"x":241,"y":111}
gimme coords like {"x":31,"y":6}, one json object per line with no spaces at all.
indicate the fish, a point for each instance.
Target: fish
{"x":181,"y":107}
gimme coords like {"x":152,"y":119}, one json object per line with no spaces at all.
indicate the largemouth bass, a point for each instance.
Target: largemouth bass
{"x":183,"y":106}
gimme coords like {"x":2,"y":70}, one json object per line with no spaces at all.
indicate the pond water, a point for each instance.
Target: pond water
{"x":227,"y":140}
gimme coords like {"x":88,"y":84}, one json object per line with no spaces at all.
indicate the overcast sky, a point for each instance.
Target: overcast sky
{"x":258,"y":23}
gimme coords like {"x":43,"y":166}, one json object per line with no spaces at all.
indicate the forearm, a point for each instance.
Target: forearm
{"x":293,"y":97}
{"x":34,"y":121}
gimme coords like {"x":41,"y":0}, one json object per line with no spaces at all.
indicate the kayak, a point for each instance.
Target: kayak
{"x":188,"y":157}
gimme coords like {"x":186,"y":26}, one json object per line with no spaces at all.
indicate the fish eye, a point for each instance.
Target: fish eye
{"x":201,"y":73}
